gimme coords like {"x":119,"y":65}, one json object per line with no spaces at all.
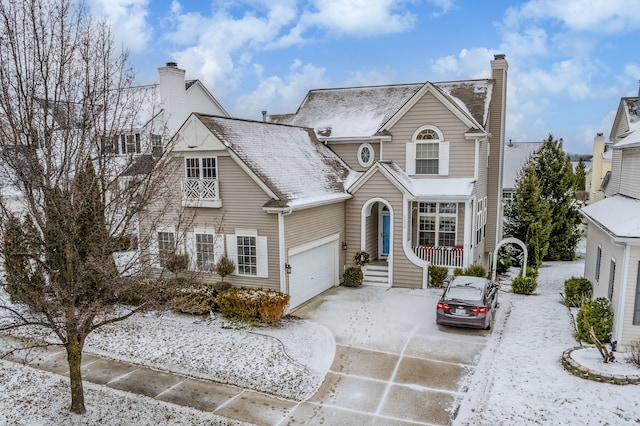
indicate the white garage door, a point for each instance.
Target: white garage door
{"x":312,"y":271}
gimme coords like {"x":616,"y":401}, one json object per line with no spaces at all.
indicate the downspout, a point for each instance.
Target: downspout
{"x":469,"y":240}
{"x":281,"y":251}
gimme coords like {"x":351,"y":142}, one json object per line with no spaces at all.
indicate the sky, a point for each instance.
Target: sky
{"x":570,"y":61}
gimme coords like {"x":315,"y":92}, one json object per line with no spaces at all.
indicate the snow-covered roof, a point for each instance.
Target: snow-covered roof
{"x":516,"y":155}
{"x":290,"y":160}
{"x":619,"y":215}
{"x":430,"y":188}
{"x":632,"y":115}
{"x":360,"y":112}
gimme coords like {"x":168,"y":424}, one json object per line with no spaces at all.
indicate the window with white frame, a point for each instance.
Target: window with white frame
{"x":130,"y":143}
{"x":156,"y":144}
{"x":598,"y":262}
{"x":437,"y":224}
{"x":427,"y":152}
{"x":365,"y":155}
{"x":205,"y":251}
{"x":612,"y":278}
{"x":166,"y":246}
{"x":201,"y":168}
{"x":479,"y":218}
{"x":249,"y":252}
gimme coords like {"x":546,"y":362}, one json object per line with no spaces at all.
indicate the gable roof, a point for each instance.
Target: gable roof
{"x":450,"y":189}
{"x":618,"y":215}
{"x":289,"y":160}
{"x":516,"y":155}
{"x":362,"y":112}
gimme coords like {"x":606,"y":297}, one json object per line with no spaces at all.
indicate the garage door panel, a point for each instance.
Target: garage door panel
{"x":312,"y":272}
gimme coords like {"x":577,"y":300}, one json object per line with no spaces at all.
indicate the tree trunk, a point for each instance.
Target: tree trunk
{"x":74,"y":358}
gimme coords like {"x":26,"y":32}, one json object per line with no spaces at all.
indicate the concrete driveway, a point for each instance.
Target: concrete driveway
{"x":393,"y":365}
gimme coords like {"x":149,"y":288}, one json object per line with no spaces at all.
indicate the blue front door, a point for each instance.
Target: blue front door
{"x":386,"y":227}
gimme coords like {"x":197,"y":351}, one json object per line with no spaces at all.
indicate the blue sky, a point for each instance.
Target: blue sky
{"x":570,"y":61}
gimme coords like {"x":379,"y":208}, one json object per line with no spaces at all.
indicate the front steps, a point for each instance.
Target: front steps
{"x":376,"y":275}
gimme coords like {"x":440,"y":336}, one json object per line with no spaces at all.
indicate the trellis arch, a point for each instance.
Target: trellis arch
{"x":505,"y":242}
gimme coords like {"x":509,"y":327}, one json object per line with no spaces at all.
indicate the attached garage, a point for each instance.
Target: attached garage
{"x":314,"y":269}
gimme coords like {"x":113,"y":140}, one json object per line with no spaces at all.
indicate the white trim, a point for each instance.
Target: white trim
{"x":246,"y":232}
{"x":371,"y":154}
{"x":313,"y":244}
{"x":406,"y":239}
{"x":443,"y":159}
{"x":366,"y":212}
{"x":381,"y":215}
{"x":623,"y":295}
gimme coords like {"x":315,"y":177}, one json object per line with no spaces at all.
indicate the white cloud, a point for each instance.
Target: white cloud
{"x":128,"y":21}
{"x":599,"y":16}
{"x":373,"y":77}
{"x":470,"y":63}
{"x":359,"y":17}
{"x":280,"y":94}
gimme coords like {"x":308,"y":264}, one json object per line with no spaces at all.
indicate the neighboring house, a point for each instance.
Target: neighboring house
{"x":599,"y":172}
{"x":516,"y":156}
{"x":612,"y":261}
{"x":411,"y":174}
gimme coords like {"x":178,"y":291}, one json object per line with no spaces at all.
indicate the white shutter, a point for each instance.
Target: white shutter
{"x":410,"y":167}
{"x":153,"y":248}
{"x":218,"y":247}
{"x":191,"y":250}
{"x":262,"y":257}
{"x":232,"y":249}
{"x":443,"y":159}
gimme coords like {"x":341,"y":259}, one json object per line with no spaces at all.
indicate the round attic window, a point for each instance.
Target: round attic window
{"x":365,"y":155}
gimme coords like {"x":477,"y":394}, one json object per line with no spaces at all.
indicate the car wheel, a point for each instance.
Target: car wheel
{"x":488,"y":326}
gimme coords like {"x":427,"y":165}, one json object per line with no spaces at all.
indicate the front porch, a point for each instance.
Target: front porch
{"x":450,"y":257}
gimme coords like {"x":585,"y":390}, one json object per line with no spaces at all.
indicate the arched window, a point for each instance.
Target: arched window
{"x":428,"y":153}
{"x":365,"y":155}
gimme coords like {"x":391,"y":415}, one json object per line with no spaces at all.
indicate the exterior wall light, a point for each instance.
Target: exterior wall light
{"x":287,"y":268}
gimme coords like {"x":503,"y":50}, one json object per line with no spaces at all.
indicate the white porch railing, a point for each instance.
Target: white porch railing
{"x":450,"y":257}
{"x":200,"y":189}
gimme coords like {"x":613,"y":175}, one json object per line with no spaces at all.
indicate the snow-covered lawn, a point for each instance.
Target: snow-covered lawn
{"x":519,"y":378}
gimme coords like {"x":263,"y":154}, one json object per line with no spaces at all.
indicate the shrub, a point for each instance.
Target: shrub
{"x":475,"y":271}
{"x":524,"y":285}
{"x":196,"y":299}
{"x":437,"y":275}
{"x":139,"y":291}
{"x":634,"y":352}
{"x":458,"y":271}
{"x":576,"y":290}
{"x":267,"y":306}
{"x":352,"y":276}
{"x":503,"y":264}
{"x":177,"y":262}
{"x":224,"y":267}
{"x":596,"y":313}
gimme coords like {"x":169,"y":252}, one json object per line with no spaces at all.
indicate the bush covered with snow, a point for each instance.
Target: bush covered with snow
{"x":596,"y":313}
{"x":265,"y":305}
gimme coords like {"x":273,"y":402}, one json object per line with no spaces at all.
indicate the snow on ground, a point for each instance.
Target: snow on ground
{"x":32,"y":397}
{"x":520,"y":378}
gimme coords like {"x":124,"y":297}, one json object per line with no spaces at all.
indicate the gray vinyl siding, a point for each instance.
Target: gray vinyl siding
{"x":349,"y":153}
{"x":596,"y":238}
{"x":630,"y":173}
{"x":242,"y":201}
{"x":405,"y":273}
{"x":613,"y":187}
{"x":430,"y":111}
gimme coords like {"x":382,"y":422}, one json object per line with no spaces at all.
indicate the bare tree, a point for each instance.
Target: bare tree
{"x":69,"y":207}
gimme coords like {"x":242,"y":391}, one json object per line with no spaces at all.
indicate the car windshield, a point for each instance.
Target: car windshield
{"x":464,"y":293}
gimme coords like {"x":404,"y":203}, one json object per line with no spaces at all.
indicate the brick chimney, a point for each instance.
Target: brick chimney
{"x":173,"y":96}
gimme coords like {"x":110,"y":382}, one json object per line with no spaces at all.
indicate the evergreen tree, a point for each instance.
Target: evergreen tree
{"x":528,"y":216}
{"x":558,"y":183}
{"x":581,"y":175}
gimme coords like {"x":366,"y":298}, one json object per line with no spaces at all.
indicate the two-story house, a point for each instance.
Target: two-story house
{"x":409,"y":173}
{"x":612,"y":261}
{"x":598,"y":174}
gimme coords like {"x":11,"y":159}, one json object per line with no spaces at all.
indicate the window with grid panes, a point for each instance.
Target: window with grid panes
{"x":166,"y":247}
{"x":427,"y":152}
{"x":205,"y":259}
{"x":437,"y":224}
{"x":247,"y":255}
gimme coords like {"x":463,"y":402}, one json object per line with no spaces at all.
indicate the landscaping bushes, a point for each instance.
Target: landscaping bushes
{"x":352,"y":276}
{"x":524,"y":285}
{"x":471,"y":271}
{"x":596,"y":313}
{"x":437,"y":275}
{"x":195,"y":299}
{"x":576,"y":290}
{"x":252,"y":304}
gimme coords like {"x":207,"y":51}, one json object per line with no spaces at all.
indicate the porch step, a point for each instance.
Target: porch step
{"x":376,"y":275}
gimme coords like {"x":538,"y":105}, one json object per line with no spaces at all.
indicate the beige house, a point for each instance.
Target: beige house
{"x":612,"y":261}
{"x":599,"y":172}
{"x":410,"y":174}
